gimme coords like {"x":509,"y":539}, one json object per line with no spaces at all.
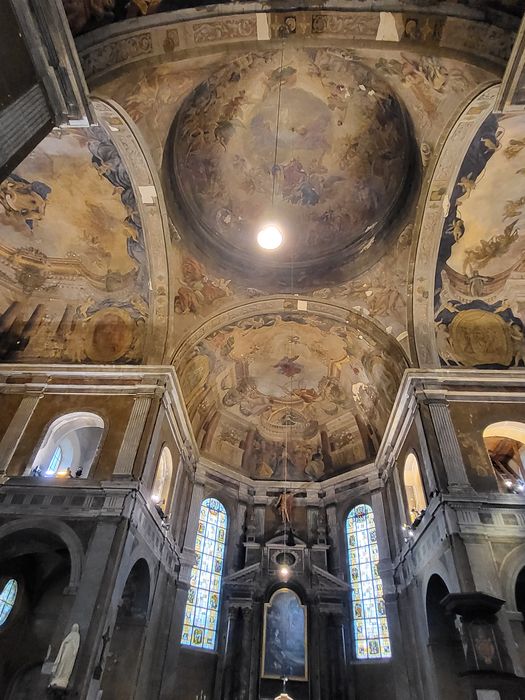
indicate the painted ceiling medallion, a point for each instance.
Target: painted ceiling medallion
{"x":336,"y":153}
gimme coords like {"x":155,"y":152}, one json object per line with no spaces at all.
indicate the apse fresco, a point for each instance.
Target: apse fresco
{"x":289,"y":396}
{"x":286,"y":135}
{"x":72,"y":258}
{"x":479,"y":290}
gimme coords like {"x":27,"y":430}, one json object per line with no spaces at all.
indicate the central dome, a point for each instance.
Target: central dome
{"x":310,"y":140}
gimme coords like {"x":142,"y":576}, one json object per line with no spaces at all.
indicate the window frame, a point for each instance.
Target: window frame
{"x":355,"y":659}
{"x":13,"y":613}
{"x":50,"y":473}
{"x":189,"y":645}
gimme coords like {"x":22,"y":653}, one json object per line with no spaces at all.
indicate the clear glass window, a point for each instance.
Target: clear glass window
{"x":54,"y":462}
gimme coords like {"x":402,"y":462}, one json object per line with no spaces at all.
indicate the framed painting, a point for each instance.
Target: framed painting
{"x":285,"y":650}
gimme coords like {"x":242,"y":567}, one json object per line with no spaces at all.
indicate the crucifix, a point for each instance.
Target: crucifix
{"x":97,"y":673}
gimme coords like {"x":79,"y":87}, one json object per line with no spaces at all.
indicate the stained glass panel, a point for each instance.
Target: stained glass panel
{"x":200,"y":620}
{"x":371,"y":638}
{"x":7,"y":599}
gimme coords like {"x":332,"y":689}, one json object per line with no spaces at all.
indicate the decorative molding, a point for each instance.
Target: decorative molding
{"x":112,"y":54}
{"x":224,"y":29}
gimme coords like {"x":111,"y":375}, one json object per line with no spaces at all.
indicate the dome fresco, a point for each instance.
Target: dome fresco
{"x":310,"y":139}
{"x":287,"y":394}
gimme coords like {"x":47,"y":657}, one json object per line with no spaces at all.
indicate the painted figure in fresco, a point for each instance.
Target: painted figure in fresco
{"x":288,"y":366}
{"x":315,"y":468}
{"x":23,"y":199}
{"x":198,"y":289}
{"x":443,"y":344}
{"x":495,"y":247}
{"x":80,"y":13}
{"x":518,"y":343}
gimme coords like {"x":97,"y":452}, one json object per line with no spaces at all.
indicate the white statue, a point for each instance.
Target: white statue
{"x":65,"y":660}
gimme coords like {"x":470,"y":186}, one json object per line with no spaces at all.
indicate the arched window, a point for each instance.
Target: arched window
{"x":202,"y":609}
{"x":370,"y":626}
{"x":414,"y":489}
{"x":162,"y":482}
{"x":70,"y":443}
{"x":505,"y":443}
{"x":7,"y":599}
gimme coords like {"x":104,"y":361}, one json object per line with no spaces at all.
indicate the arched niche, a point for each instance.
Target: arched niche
{"x":244,"y":408}
{"x":505,"y":444}
{"x":414,"y":489}
{"x":39,"y":561}
{"x":161,"y":487}
{"x":444,"y":643}
{"x":70,"y":443}
{"x":123,"y":660}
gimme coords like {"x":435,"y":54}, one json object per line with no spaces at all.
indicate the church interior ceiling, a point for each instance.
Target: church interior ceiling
{"x":339,"y":128}
{"x":73,"y":270}
{"x":360,"y":132}
{"x":429,"y":90}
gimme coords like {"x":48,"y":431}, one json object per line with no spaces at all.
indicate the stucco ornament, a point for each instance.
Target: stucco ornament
{"x":65,"y":660}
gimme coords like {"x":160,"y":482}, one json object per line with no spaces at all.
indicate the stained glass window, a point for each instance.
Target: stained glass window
{"x":370,"y":626}
{"x":202,"y":609}
{"x":54,"y":462}
{"x":7,"y":599}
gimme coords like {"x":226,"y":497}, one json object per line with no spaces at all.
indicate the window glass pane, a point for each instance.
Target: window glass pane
{"x":201,"y":616}
{"x":7,"y":599}
{"x":370,"y":626}
{"x":54,"y":462}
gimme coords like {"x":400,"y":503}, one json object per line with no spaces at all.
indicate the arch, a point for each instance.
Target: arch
{"x":202,"y":609}
{"x":129,"y":632}
{"x":136,"y":156}
{"x":505,"y":444}
{"x":414,"y":489}
{"x":161,"y":486}
{"x":71,"y":442}
{"x":61,"y":530}
{"x":369,"y":621}
{"x":444,"y":641}
{"x":509,"y":571}
{"x":424,"y":345}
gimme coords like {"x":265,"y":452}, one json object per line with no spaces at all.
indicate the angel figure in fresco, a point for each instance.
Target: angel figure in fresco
{"x":494,"y":247}
{"x":288,"y":366}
